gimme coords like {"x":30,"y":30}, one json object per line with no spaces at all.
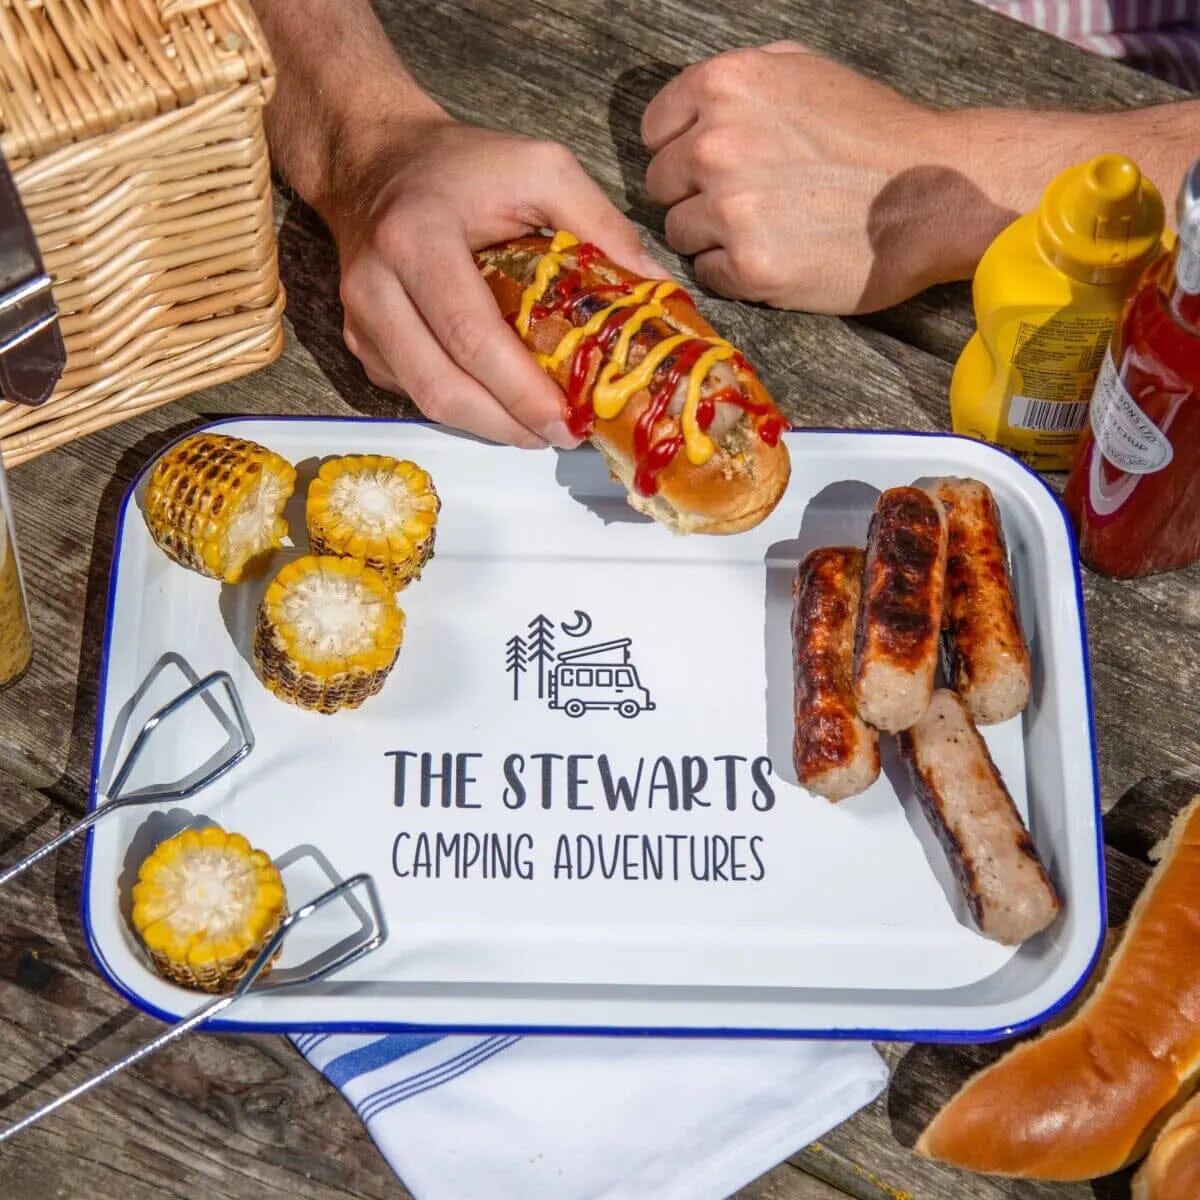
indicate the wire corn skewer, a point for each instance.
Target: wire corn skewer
{"x":374,"y":938}
{"x":115,"y":800}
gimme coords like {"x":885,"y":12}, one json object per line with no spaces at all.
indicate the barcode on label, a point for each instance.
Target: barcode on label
{"x":1053,"y":416}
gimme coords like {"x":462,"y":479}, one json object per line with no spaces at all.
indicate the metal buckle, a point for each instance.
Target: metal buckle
{"x":27,"y":327}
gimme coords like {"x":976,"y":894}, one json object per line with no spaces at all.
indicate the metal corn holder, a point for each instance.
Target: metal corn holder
{"x":374,"y":936}
{"x":115,"y":799}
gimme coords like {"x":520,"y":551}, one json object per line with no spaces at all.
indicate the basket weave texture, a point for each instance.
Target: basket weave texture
{"x":134,"y":130}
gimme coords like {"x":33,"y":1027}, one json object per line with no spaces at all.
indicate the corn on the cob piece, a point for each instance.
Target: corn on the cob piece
{"x":214,"y":504}
{"x":382,"y":511}
{"x":205,"y":905}
{"x":328,"y":633}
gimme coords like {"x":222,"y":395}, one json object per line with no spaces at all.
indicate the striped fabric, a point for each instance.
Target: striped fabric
{"x":365,"y":1068}
{"x":1160,"y":37}
{"x":584,"y":1118}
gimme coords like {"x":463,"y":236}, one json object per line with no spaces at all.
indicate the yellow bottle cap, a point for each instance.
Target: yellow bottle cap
{"x":1101,"y":221}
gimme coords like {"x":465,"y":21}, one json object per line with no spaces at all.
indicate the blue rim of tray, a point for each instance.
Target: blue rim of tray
{"x":854,"y":1033}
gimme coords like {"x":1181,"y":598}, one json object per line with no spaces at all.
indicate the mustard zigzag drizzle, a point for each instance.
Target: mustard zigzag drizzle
{"x":616,"y":384}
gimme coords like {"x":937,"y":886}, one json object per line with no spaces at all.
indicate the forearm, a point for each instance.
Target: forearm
{"x":1009,"y":155}
{"x":343,"y":96}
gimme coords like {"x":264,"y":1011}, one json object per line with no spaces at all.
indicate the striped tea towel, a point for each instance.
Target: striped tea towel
{"x":582,"y":1118}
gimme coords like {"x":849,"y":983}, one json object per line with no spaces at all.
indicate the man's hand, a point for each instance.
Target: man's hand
{"x":409,"y":193}
{"x":797,"y":182}
{"x":418,"y":313}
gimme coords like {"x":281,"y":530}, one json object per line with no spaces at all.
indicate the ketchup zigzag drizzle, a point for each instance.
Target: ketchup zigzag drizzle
{"x":566,"y":297}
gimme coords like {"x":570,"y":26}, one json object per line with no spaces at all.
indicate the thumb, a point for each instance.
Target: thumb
{"x":577,"y":204}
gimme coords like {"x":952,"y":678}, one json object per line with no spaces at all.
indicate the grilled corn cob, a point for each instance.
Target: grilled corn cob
{"x":205,"y":904}
{"x":215,"y":504}
{"x":382,"y":511}
{"x":328,"y":633}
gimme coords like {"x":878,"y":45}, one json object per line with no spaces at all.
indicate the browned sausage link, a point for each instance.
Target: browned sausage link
{"x":896,"y":643}
{"x":993,"y":856}
{"x":986,"y":658}
{"x":836,"y":751}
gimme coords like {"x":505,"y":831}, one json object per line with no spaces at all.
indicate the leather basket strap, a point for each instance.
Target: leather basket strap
{"x":32,"y":354}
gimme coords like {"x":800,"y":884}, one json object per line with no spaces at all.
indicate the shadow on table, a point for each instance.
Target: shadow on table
{"x":308,"y":266}
{"x":892,"y":243}
{"x":633,"y":90}
{"x":928,"y":1075}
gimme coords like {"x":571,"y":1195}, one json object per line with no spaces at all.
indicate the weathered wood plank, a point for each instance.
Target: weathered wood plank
{"x":246,"y":1117}
{"x":785,"y":1182}
{"x":1145,"y":667}
{"x":210,"y":1116}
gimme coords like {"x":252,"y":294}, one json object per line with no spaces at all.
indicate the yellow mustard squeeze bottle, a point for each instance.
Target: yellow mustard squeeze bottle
{"x":1047,"y":295}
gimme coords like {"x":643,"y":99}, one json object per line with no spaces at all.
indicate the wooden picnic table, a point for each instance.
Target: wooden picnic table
{"x":245,"y":1116}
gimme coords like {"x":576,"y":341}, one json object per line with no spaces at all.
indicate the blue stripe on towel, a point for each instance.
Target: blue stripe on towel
{"x":379,"y":1101}
{"x":341,"y":1070}
{"x":465,"y":1057}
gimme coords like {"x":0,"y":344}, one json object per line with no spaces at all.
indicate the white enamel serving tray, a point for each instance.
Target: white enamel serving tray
{"x":532,"y":878}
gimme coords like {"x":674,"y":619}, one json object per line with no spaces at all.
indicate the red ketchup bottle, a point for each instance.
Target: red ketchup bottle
{"x":1134,"y":491}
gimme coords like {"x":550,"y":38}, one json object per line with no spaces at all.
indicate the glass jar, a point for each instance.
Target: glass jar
{"x":16,"y":634}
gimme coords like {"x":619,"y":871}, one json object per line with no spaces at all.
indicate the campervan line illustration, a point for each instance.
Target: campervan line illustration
{"x":600,"y":675}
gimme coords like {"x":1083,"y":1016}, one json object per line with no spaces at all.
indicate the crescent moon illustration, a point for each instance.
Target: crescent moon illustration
{"x":581,"y":628}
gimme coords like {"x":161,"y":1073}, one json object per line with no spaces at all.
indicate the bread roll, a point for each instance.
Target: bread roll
{"x":1172,"y":1168}
{"x":1088,"y":1097}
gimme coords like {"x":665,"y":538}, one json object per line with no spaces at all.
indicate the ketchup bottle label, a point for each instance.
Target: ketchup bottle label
{"x":1124,"y":434}
{"x":1187,"y":268}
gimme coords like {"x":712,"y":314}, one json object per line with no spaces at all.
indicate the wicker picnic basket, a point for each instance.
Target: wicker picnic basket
{"x":134,"y":133}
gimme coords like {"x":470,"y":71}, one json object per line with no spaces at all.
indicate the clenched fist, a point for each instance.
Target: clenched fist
{"x":797,"y":182}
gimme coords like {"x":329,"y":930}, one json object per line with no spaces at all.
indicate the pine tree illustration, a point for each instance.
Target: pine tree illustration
{"x":541,"y":648}
{"x":515,"y":660}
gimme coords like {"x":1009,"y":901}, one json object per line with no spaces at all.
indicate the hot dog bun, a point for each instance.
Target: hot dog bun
{"x":1088,"y":1097}
{"x":550,"y":289}
{"x":1172,"y":1168}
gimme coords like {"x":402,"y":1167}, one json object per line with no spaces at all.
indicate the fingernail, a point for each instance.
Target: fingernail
{"x":651,"y":267}
{"x":557,"y":434}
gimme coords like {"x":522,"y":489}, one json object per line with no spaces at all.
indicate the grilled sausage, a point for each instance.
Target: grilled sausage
{"x":984,"y":651}
{"x":896,"y":642}
{"x":993,"y":856}
{"x":836,"y":752}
